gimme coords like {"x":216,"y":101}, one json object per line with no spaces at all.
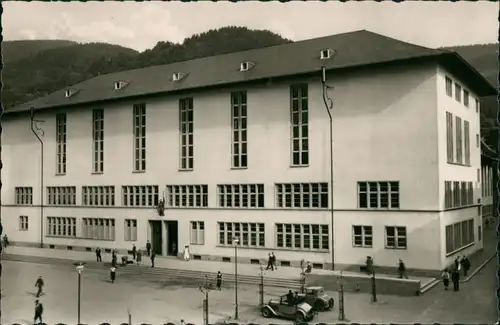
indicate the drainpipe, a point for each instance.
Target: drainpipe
{"x":36,"y":129}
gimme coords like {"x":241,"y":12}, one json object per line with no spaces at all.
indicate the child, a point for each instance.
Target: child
{"x":446,"y":278}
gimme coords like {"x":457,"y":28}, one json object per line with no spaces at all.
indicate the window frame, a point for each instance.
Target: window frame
{"x":396,"y":238}
{"x":365,"y":232}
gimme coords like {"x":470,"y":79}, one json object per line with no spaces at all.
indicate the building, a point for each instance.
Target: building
{"x":237,"y":146}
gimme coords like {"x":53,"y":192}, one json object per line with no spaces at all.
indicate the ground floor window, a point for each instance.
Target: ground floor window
{"x":98,"y":228}
{"x":23,"y":223}
{"x":302,"y":236}
{"x":459,"y":235}
{"x":248,"y":234}
{"x":362,"y":236}
{"x":395,"y":237}
{"x":130,"y":230}
{"x":197,"y":233}
{"x":61,"y":226}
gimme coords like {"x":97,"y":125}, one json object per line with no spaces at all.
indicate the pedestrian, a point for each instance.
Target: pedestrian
{"x":465,"y":265}
{"x":112,"y":274}
{"x":270,"y":263}
{"x":402,"y":270}
{"x":455,"y":278}
{"x":148,"y":247}
{"x":369,"y":265}
{"x":219,"y":281}
{"x":134,"y":251}
{"x":445,"y":276}
{"x":5,"y":240}
{"x":273,"y":260}
{"x":139,"y":257}
{"x":98,"y":254}
{"x":113,"y":257}
{"x":174,"y":249}
{"x":457,"y":263}
{"x":39,"y":284}
{"x":153,"y":256}
{"x":38,"y":312}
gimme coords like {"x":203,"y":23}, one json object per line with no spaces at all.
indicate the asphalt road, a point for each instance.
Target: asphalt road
{"x":156,"y":302}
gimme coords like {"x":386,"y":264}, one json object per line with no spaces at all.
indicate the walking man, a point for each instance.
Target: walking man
{"x":465,"y":265}
{"x":98,"y":254}
{"x":273,"y":260}
{"x":139,"y":257}
{"x":134,"y":251}
{"x":38,"y":312}
{"x":153,"y":256}
{"x":39,"y":284}
{"x":148,"y":247}
{"x":219,"y":280}
{"x":402,"y":270}
{"x":270,"y":263}
{"x":455,"y":278}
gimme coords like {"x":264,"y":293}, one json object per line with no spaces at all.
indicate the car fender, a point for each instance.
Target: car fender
{"x":270,"y":309}
{"x":304,"y":308}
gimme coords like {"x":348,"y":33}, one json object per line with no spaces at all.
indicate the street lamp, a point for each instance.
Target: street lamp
{"x":79,"y":270}
{"x":39,"y":133}
{"x":261,"y":286}
{"x":205,"y":289}
{"x":329,"y":106}
{"x":302,"y":276}
{"x":235,"y":244}
{"x":341,"y":296}
{"x":374,"y":286}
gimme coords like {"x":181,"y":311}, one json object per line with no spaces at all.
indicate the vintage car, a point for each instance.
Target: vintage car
{"x":317,"y":298}
{"x":301,"y":312}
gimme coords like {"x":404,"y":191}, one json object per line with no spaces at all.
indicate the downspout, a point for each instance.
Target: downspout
{"x":34,"y":129}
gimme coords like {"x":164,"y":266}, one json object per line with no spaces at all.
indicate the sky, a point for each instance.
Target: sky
{"x":140,"y":25}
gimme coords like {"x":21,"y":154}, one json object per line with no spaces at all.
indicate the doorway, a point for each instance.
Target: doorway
{"x":156,"y":237}
{"x":172,"y":237}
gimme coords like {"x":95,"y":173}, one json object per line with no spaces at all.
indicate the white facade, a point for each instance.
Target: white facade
{"x":389,"y":125}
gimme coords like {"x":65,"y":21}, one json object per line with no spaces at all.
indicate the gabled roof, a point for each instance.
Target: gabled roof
{"x":354,"y":50}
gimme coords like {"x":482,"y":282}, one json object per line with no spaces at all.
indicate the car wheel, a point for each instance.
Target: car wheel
{"x":266,"y":312}
{"x":331,"y":303}
{"x":299,"y":317}
{"x":319,"y":306}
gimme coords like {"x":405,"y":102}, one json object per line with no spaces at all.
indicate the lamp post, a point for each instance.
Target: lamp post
{"x":261,"y":286}
{"x":235,"y":244}
{"x":39,"y":133}
{"x":302,"y":276}
{"x":79,"y":270}
{"x":329,"y":106}
{"x":374,"y":286}
{"x":205,"y":289}
{"x":341,"y":297}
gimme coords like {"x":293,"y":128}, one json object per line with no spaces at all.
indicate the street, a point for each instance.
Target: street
{"x":158,"y":302}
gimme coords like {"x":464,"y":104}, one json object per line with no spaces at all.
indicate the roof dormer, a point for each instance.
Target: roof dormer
{"x":246,"y":65}
{"x":326,"y":54}
{"x":178,"y":76}
{"x":120,"y":85}
{"x":70,"y":92}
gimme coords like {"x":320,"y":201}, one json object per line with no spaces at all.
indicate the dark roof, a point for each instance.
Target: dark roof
{"x":354,"y":50}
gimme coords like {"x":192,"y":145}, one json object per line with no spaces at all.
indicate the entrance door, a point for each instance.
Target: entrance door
{"x":172,"y":237}
{"x":156,"y":237}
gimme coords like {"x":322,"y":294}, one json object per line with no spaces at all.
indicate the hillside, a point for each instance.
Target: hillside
{"x":16,"y":50}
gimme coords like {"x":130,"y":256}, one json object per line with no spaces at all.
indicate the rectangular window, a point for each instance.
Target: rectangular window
{"x":187,"y":196}
{"x":302,"y":195}
{"x":456,"y":195}
{"x":458,"y":122}
{"x":239,"y":129}
{"x":467,"y":142}
{"x":308,"y":237}
{"x":61,"y":143}
{"x":395,"y":237}
{"x":378,"y":195}
{"x":362,"y":236}
{"x":466,"y":98}
{"x":477,"y":141}
{"x":61,"y":195}
{"x":299,"y":115}
{"x":248,"y":234}
{"x":459,"y":235}
{"x":449,"y":137}
{"x":61,"y":226}
{"x":139,"y":137}
{"x":449,"y":86}
{"x":186,"y":133}
{"x":130,"y":230}
{"x":463,"y":193}
{"x":98,"y":228}
{"x":98,"y":140}
{"x":198,"y":233}
{"x":241,"y":195}
{"x":98,"y":195}
{"x":24,"y":195}
{"x":23,"y":223}
{"x":458,"y":92}
{"x":470,"y":193}
{"x":448,"y":195}
{"x":476,"y":100}
{"x":140,"y":195}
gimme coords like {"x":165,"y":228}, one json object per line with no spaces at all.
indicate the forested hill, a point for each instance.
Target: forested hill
{"x":37,"y":68}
